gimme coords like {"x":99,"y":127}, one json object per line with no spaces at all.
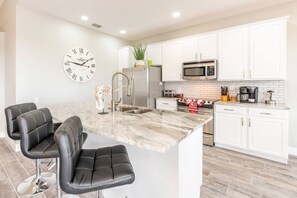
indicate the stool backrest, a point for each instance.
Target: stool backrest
{"x":35,"y":126}
{"x":68,"y":140}
{"x":11,"y":114}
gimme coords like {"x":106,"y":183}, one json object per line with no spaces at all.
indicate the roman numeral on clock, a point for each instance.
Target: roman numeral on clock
{"x":74,"y":51}
{"x":93,"y":65}
{"x":74,"y":76}
{"x":81,"y":50}
{"x":92,"y":72}
{"x":68,"y":70}
{"x":81,"y":79}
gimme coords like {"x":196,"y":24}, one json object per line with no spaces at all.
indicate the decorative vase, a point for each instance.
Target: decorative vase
{"x":139,"y":63}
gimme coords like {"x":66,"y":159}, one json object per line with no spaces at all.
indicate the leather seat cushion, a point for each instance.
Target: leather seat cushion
{"x":102,"y":168}
{"x":45,"y":149}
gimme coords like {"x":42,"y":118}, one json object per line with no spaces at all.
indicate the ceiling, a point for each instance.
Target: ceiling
{"x":143,"y":18}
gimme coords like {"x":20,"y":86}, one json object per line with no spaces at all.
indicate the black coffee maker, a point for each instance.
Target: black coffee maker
{"x":248,"y":94}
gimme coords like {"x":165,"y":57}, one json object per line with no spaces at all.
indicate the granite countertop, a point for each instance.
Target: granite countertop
{"x":155,"y":130}
{"x":255,"y":105}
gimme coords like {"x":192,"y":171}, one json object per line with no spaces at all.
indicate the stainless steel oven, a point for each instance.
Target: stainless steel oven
{"x":201,"y":70}
{"x":205,"y":109}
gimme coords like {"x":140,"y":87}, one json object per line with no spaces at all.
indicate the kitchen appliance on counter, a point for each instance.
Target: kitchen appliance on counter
{"x":202,"y":70}
{"x":248,"y":94}
{"x":207,"y":108}
{"x":271,"y":98}
{"x":169,"y":93}
{"x":146,"y":86}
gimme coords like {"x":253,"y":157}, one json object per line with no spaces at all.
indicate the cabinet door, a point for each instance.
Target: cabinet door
{"x":268,"y":50}
{"x":267,"y":136}
{"x":154,"y":53}
{"x":124,"y":61}
{"x":233,"y":58}
{"x":172,"y":61}
{"x":190,"y":49}
{"x":207,"y":46}
{"x":230,"y":130}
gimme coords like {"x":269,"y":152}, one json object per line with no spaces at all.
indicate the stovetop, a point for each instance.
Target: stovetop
{"x":209,"y":103}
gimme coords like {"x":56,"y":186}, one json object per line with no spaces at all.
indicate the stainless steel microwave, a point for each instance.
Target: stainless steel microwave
{"x":201,"y":70}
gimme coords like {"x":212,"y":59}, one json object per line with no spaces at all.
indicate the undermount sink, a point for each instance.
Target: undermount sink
{"x":138,"y":111}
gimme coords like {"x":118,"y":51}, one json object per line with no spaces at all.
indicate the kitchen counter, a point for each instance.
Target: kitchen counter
{"x":255,"y":105}
{"x":160,"y":147}
{"x":153,"y":130}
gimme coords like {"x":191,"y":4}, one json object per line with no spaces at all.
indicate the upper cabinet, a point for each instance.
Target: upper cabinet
{"x":253,"y":52}
{"x":207,"y":46}
{"x":268,"y":50}
{"x":190,"y":49}
{"x":124,"y":58}
{"x":154,"y":53}
{"x":233,"y":56}
{"x":172,"y":61}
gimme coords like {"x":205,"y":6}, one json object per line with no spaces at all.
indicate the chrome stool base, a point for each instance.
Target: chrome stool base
{"x":31,"y":186}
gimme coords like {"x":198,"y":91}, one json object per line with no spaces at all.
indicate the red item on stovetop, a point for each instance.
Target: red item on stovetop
{"x":193,"y":104}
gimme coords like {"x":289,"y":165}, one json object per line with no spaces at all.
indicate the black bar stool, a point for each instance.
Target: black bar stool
{"x":37,"y":142}
{"x":12,"y":112}
{"x":87,"y":170}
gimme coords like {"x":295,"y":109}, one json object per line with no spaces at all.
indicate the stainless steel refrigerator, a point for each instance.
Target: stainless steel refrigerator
{"x":146,"y":86}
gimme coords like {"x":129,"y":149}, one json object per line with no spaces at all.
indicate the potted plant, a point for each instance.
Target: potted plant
{"x":139,"y":53}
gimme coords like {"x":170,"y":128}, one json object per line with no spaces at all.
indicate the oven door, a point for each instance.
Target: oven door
{"x":194,"y":72}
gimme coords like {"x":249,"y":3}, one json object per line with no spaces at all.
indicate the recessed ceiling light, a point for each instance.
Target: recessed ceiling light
{"x":84,"y":18}
{"x":176,"y":14}
{"x":123,"y":32}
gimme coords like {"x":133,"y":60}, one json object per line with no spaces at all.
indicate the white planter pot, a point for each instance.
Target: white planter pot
{"x":139,"y":63}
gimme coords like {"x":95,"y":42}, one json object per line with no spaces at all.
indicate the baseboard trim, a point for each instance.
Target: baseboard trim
{"x":293,"y":151}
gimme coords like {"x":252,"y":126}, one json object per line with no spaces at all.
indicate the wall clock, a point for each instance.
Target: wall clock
{"x":79,"y":64}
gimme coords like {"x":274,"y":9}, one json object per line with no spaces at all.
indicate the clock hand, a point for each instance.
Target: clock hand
{"x":75,"y":63}
{"x":86,"y":61}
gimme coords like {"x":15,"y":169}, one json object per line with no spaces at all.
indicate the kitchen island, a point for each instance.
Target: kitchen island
{"x":165,"y":148}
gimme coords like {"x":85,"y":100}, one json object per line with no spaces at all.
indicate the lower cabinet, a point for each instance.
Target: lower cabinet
{"x":267,"y":136}
{"x":230,"y":130}
{"x":254,"y":131}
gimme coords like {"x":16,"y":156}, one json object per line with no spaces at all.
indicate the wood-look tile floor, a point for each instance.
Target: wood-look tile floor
{"x":232,"y":174}
{"x":225,"y":174}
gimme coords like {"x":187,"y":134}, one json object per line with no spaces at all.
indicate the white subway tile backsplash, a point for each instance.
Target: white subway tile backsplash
{"x":212,"y":88}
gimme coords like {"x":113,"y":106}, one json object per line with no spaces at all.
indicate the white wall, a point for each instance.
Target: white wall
{"x":8,"y":26}
{"x":2,"y":91}
{"x":42,"y":41}
{"x":262,"y":14}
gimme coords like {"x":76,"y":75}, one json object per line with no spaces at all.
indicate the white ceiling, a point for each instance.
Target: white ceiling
{"x":143,"y":18}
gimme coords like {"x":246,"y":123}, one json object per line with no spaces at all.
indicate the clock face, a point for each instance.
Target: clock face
{"x":79,"y":64}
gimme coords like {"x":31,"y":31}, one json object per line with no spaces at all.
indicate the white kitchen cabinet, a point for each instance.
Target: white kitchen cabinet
{"x":230,"y":129}
{"x":268,"y":50}
{"x":207,"y":46}
{"x":190,"y":49}
{"x":172,"y":61}
{"x":267,"y":136}
{"x":233,"y":59}
{"x":166,"y":104}
{"x":255,"y":131}
{"x":125,"y":60}
{"x":154,"y":53}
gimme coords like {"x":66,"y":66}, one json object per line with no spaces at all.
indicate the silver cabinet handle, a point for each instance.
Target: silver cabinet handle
{"x":165,"y":103}
{"x":250,"y":123}
{"x":242,"y":122}
{"x":265,"y":113}
{"x":228,"y":109}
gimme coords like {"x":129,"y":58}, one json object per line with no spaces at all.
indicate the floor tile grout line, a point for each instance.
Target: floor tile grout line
{"x":11,"y":184}
{"x":13,"y":152}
